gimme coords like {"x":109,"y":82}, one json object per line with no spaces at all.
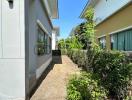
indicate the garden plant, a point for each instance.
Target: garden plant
{"x":108,"y":74}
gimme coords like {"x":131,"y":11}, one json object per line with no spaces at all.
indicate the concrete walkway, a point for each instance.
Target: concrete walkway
{"x":53,"y":87}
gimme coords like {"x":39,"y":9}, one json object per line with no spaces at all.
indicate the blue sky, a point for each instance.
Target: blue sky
{"x":69,"y":12}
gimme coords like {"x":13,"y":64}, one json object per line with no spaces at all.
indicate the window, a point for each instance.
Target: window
{"x":122,"y":40}
{"x":41,"y":42}
{"x":46,"y":44}
{"x":49,"y":45}
{"x":102,"y":42}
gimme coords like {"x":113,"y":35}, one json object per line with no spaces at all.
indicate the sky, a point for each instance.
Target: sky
{"x":69,"y":12}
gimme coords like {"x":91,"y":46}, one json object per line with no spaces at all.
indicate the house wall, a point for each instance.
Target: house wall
{"x":53,"y":41}
{"x":32,"y":43}
{"x":18,"y":44}
{"x":44,"y":19}
{"x":118,"y":21}
{"x":12,"y":50}
{"x":37,"y":64}
{"x":105,"y":8}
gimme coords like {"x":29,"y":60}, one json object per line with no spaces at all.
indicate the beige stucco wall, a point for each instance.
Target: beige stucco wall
{"x":120,"y":20}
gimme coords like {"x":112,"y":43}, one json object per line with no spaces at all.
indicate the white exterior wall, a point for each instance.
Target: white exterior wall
{"x":53,"y":41}
{"x":0,"y":29}
{"x":104,"y":9}
{"x":12,"y":50}
{"x":16,"y":68}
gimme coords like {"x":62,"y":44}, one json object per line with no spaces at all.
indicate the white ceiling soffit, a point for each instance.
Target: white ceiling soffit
{"x":89,"y":3}
{"x":53,"y":6}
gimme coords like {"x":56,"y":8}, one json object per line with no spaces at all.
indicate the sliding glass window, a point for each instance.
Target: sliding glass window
{"x":102,"y":42}
{"x":122,"y":41}
{"x":41,"y":42}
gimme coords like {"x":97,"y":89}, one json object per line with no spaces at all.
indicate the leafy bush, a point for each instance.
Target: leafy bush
{"x":113,"y":68}
{"x":63,"y":51}
{"x":82,"y":57}
{"x":114,"y":72}
{"x":84,"y":87}
{"x":78,"y":56}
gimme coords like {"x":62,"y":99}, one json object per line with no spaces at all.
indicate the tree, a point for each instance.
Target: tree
{"x":61,"y":44}
{"x":80,"y":32}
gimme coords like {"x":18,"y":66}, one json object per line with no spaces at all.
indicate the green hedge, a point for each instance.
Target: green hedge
{"x":114,"y":71}
{"x":113,"y":68}
{"x":85,"y":87}
{"x":63,"y":52}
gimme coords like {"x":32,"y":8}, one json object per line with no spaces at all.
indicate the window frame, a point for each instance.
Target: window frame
{"x":103,"y":44}
{"x":124,"y":32}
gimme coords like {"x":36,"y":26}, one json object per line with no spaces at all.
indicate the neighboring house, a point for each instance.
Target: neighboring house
{"x":25,"y":45}
{"x":113,"y":23}
{"x":55,"y":35}
{"x":72,"y":31}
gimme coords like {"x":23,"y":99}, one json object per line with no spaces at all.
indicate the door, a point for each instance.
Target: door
{"x":11,"y":35}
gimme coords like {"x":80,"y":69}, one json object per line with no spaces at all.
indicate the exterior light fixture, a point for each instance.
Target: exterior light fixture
{"x":10,"y":1}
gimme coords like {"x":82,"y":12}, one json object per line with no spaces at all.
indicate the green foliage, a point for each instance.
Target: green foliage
{"x":78,"y":56}
{"x":61,"y":44}
{"x":81,"y":59}
{"x":63,"y":51}
{"x":84,"y":87}
{"x":112,"y":67}
{"x":128,"y":98}
{"x":114,"y":72}
{"x":70,"y":43}
{"x":75,"y":44}
{"x":85,"y":31}
{"x":90,"y":25}
{"x":80,"y":32}
{"x":89,"y":14}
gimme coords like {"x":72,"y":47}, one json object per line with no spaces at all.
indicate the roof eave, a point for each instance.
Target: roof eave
{"x":54,"y":9}
{"x":84,"y":10}
{"x":90,"y":3}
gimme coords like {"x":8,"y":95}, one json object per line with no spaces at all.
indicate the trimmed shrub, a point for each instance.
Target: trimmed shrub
{"x":113,"y":68}
{"x":114,"y":72}
{"x":78,"y":56}
{"x":63,"y":51}
{"x":84,"y":87}
{"x":82,"y":57}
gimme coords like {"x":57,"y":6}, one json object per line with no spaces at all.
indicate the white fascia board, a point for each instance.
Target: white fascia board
{"x":120,"y":30}
{"x":52,"y":8}
{"x":91,"y":3}
{"x":101,"y":36}
{"x":47,"y":7}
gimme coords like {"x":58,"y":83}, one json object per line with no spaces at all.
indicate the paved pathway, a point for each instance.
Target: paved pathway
{"x":53,"y":86}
